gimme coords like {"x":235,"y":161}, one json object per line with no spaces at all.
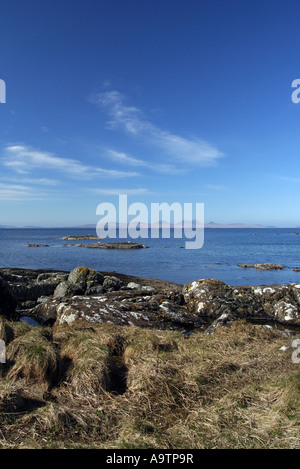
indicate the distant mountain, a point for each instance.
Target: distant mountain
{"x":161,"y":224}
{"x":164,"y":224}
{"x":235,"y":225}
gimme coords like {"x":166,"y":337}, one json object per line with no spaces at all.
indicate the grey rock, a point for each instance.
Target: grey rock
{"x":211,"y":299}
{"x":112,"y":283}
{"x":134,"y":286}
{"x":119,"y":245}
{"x":148,"y":288}
{"x":67,"y":289}
{"x":262,"y":266}
{"x":85,"y":277}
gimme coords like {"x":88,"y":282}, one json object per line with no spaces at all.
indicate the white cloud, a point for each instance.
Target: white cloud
{"x":131,"y":120}
{"x":119,"y":191}
{"x":161,"y":168}
{"x":33,"y":181}
{"x":216,"y":187}
{"x":23,"y":160}
{"x":17,"y":192}
{"x":114,"y":173}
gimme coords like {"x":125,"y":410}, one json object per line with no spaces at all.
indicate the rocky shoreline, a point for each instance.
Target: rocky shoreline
{"x":60,"y":297}
{"x":125,"y":362}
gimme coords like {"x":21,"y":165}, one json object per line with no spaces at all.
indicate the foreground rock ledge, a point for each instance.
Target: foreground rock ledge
{"x":108,"y":297}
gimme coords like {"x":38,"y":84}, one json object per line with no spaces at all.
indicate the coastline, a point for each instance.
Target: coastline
{"x":122,"y":361}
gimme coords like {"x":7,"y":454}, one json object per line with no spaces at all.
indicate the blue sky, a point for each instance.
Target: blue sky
{"x":166,"y":101}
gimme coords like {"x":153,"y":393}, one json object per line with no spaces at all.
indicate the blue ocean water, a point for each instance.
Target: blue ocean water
{"x":223,"y":249}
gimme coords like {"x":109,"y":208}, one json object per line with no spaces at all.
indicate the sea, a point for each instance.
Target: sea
{"x":166,"y":259}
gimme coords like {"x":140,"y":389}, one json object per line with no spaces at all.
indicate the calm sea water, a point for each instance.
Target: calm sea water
{"x":223,"y":249}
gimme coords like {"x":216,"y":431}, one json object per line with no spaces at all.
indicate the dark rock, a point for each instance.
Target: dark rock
{"x":262,"y":266}
{"x":119,"y":245}
{"x":128,"y":308}
{"x":74,"y":238}
{"x":7,"y":301}
{"x":94,"y":290}
{"x":32,"y":245}
{"x":213,"y":299}
{"x":51,"y":277}
{"x":45,"y":313}
{"x":246,"y":266}
{"x":112,"y":284}
{"x":27,"y":285}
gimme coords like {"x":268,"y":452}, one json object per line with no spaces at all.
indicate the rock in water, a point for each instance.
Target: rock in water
{"x":262,"y":266}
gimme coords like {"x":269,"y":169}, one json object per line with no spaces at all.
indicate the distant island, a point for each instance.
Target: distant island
{"x":161,"y":224}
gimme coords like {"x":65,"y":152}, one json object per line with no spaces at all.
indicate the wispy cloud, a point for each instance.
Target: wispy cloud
{"x":119,"y":191}
{"x":287,"y":178}
{"x":123,"y":158}
{"x":132,"y":120}
{"x":33,"y":181}
{"x":18,"y":192}
{"x":114,"y":173}
{"x":24,"y":160}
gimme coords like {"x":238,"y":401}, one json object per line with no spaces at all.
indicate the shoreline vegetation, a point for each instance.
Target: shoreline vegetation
{"x":121,"y":362}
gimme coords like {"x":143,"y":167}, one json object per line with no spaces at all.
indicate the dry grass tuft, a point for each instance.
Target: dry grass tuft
{"x":33,"y":358}
{"x":126,"y":387}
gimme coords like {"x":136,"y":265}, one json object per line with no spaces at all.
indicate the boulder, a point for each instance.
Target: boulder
{"x":112,"y":283}
{"x":45,"y":313}
{"x":67,"y":289}
{"x":134,"y":286}
{"x":85,"y":277}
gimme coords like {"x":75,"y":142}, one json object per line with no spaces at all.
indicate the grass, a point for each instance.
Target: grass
{"x":126,"y":387}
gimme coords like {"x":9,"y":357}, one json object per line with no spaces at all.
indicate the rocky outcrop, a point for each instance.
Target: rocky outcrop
{"x":81,"y":281}
{"x":33,"y":245}
{"x":74,"y":238}
{"x":155,"y":309}
{"x":214,"y":299}
{"x":30,"y":285}
{"x":120,"y":245}
{"x":101,"y":297}
{"x":262,"y":266}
